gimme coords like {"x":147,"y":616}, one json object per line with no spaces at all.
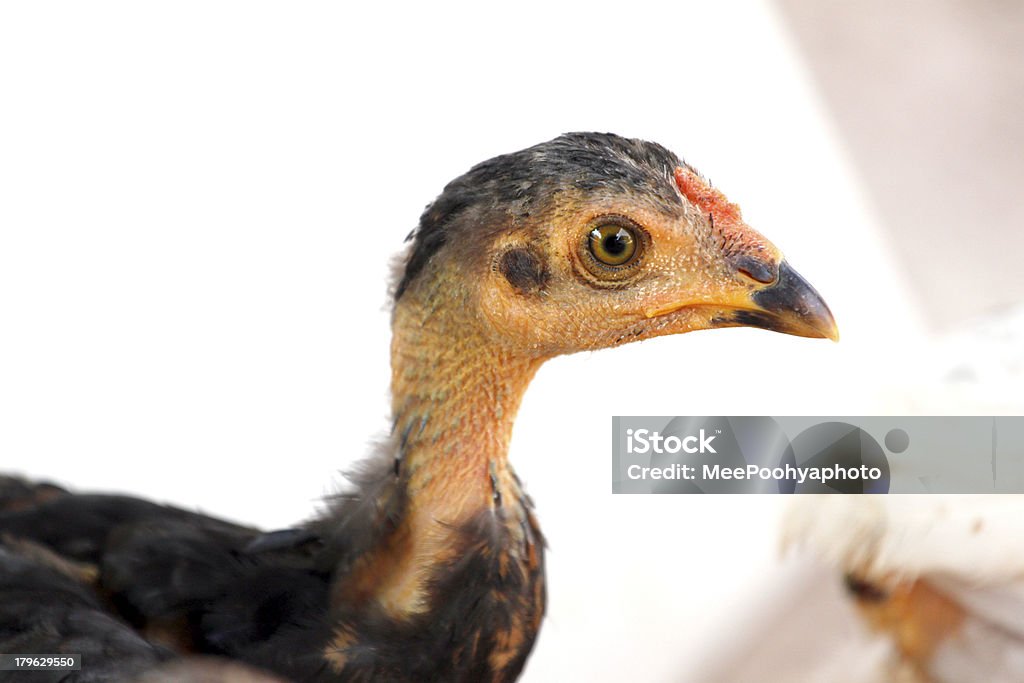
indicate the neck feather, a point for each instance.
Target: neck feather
{"x":455,"y":395}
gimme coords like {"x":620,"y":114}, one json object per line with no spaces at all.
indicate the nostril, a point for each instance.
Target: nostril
{"x":756,"y":269}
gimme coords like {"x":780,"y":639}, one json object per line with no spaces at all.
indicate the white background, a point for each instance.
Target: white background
{"x":199,"y":201}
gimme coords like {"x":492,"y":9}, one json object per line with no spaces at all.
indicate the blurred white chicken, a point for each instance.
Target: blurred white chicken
{"x":940,"y":577}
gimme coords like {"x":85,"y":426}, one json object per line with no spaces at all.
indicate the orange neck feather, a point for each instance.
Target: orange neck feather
{"x":455,"y":395}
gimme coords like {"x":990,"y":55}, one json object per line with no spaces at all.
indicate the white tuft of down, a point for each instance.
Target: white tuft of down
{"x":977,"y":538}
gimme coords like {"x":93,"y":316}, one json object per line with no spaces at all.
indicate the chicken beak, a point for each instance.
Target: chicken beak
{"x":792,"y":306}
{"x":786,"y":303}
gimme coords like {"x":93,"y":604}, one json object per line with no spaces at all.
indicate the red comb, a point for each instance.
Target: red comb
{"x":723,"y":212}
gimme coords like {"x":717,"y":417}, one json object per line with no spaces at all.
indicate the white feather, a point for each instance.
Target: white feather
{"x":969,"y":548}
{"x":979,"y":540}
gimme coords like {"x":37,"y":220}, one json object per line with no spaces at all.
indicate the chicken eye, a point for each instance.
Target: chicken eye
{"x":613,"y":245}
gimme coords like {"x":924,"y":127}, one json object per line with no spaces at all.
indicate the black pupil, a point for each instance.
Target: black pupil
{"x":617,"y":243}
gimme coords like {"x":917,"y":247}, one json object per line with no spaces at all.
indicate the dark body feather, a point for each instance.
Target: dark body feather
{"x":130,"y":585}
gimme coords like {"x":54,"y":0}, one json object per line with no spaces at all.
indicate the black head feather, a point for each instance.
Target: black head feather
{"x":516,"y":183}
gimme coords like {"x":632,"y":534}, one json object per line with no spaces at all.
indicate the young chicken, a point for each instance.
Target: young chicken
{"x":432,"y":567}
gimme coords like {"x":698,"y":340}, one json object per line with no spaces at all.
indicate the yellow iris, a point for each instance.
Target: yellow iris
{"x":612,"y":245}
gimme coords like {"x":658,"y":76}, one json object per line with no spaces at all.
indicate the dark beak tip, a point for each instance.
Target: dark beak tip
{"x":797,"y":306}
{"x":833,"y":334}
{"x":828,"y":331}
